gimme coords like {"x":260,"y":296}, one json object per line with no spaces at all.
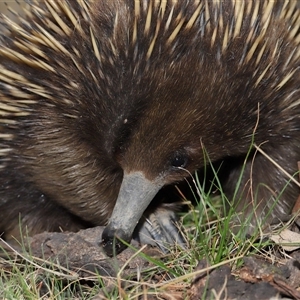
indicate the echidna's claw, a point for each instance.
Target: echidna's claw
{"x":160,"y":228}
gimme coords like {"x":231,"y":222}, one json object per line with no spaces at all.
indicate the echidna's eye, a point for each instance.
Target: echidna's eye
{"x":180,"y":160}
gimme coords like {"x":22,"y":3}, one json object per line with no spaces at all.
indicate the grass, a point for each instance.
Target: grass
{"x":32,"y":279}
{"x":209,"y":237}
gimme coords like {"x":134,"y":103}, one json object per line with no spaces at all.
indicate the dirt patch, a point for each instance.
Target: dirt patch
{"x":81,"y":254}
{"x":257,"y":279}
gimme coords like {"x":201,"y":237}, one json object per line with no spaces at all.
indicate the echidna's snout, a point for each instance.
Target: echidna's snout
{"x":112,"y":240}
{"x":135,"y":195}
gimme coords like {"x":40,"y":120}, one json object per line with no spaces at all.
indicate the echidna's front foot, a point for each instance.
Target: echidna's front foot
{"x":160,"y":228}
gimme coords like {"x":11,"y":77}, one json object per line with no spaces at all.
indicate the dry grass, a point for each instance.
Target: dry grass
{"x":209,"y":237}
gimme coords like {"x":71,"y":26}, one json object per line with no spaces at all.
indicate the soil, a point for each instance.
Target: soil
{"x":81,"y":256}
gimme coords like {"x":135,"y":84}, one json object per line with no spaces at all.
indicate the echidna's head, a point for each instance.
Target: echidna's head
{"x":157,"y":146}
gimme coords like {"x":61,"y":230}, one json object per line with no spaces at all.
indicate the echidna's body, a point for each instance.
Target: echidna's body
{"x":92,"y":89}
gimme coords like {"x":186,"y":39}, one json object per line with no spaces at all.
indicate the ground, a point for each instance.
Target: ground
{"x":77,"y":258}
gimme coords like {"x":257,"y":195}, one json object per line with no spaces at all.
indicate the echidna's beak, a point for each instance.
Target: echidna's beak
{"x":135,"y":195}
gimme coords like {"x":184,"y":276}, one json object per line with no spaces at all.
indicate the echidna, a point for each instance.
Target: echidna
{"x":105,"y":102}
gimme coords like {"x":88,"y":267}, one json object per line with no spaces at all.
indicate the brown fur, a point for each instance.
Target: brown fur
{"x":133,"y":111}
